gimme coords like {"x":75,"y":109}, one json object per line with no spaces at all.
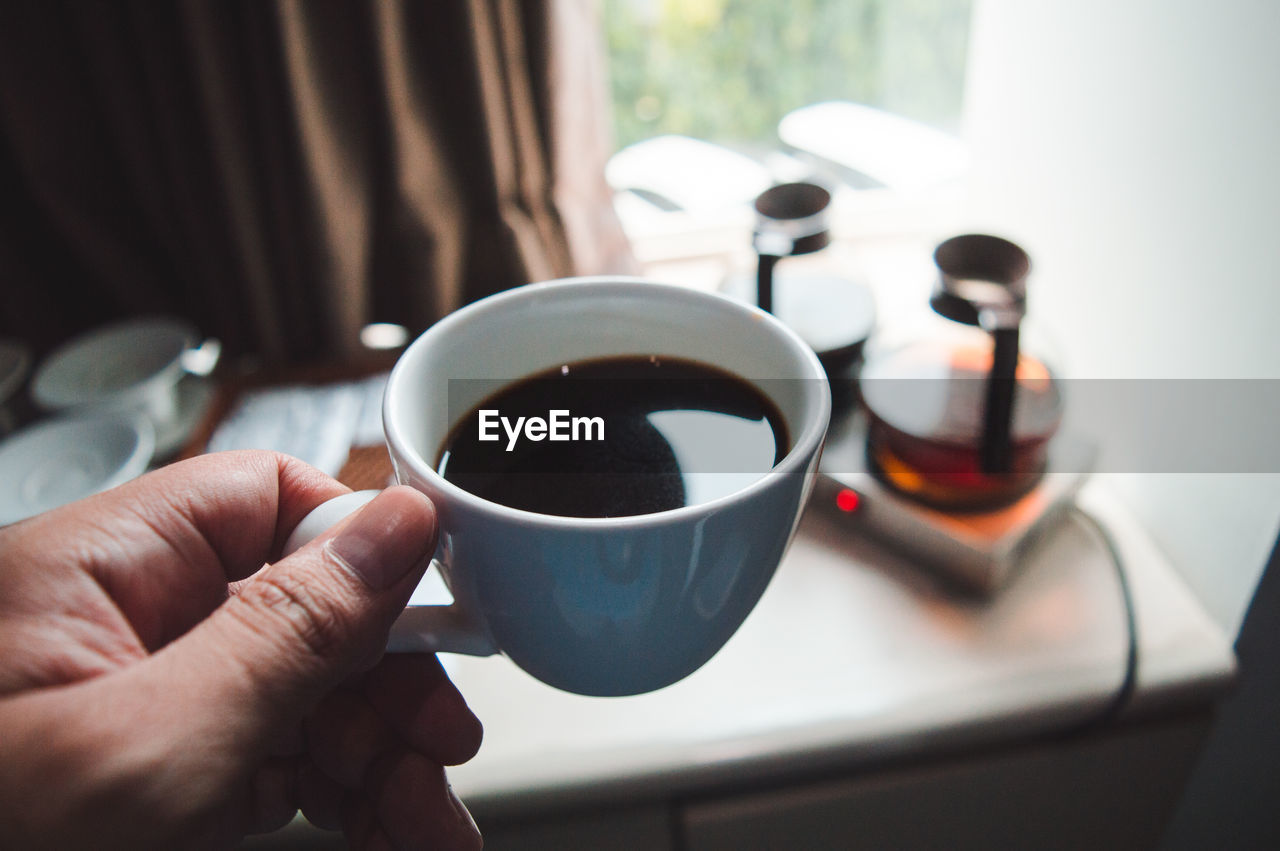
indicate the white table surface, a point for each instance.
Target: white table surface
{"x":853,"y":656}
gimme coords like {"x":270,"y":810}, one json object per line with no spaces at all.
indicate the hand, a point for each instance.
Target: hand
{"x":160,"y":687}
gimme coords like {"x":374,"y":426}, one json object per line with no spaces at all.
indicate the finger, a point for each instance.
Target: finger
{"x":264,"y":659}
{"x":359,"y":821}
{"x":366,"y":663}
{"x":344,"y":737}
{"x":165,"y":545}
{"x":320,"y":798}
{"x":377,"y":841}
{"x":273,"y":796}
{"x":415,"y":696}
{"x":287,"y":742}
{"x":242,"y":505}
{"x":415,"y":806}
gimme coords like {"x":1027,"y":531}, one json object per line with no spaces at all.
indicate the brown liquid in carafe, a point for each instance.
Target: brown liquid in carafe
{"x":925,"y":407}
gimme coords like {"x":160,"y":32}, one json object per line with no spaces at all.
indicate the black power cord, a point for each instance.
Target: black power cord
{"x":1125,"y":692}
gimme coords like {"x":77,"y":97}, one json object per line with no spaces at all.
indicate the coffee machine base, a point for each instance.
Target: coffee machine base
{"x":980,"y":550}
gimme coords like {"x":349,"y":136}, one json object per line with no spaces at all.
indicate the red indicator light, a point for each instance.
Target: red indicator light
{"x":847,"y":500}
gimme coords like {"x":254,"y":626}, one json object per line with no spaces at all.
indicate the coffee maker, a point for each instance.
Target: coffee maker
{"x":953,"y":454}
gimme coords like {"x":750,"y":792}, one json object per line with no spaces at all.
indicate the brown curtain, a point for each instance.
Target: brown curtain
{"x":284,"y":172}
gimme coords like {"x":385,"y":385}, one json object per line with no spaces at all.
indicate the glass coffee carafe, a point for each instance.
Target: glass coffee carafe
{"x":959,"y":417}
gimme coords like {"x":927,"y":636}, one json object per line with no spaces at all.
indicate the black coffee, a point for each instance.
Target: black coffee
{"x":615,"y":437}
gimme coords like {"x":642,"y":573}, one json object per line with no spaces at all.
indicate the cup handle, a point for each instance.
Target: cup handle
{"x":453,"y":628}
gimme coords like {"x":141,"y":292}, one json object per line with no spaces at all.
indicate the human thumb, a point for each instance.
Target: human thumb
{"x":301,"y":626}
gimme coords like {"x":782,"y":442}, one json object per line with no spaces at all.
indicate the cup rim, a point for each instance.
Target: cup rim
{"x":802,"y":448}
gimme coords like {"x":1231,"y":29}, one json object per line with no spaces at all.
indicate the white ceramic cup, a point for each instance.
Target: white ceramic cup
{"x":130,"y":367}
{"x":597,"y":606}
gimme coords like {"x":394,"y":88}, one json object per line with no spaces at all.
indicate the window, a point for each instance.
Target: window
{"x":727,"y":71}
{"x":714,"y":100}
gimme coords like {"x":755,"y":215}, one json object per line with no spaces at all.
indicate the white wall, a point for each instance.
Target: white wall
{"x":1133,"y":148}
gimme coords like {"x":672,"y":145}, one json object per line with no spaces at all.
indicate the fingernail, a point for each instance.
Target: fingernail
{"x":387,"y":538}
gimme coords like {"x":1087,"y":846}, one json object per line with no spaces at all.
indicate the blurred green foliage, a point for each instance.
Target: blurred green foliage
{"x":728,"y":70}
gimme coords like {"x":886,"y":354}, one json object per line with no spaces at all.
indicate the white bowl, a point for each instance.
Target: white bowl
{"x":130,"y":366}
{"x":61,"y":460}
